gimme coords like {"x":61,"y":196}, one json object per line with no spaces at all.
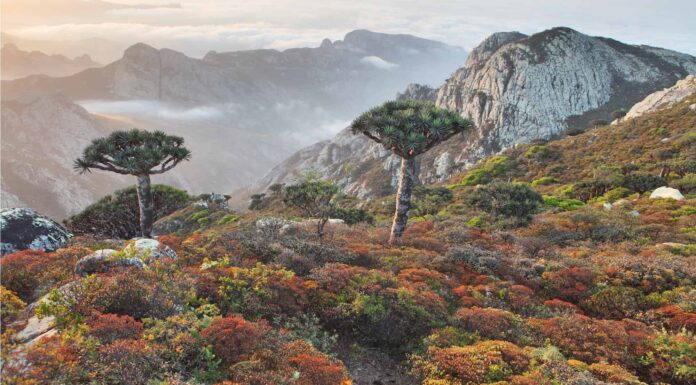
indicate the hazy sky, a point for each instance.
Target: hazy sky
{"x":197,"y":26}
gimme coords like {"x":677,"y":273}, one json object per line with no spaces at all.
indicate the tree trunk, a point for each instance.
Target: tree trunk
{"x":147,"y":210}
{"x":403,"y":200}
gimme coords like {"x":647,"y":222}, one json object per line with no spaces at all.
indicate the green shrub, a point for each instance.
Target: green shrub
{"x":118,"y":215}
{"x":686,"y":185}
{"x":510,"y":201}
{"x":538,"y":151}
{"x":643,"y":182}
{"x":544,"y":181}
{"x":493,"y":167}
{"x":566,"y":204}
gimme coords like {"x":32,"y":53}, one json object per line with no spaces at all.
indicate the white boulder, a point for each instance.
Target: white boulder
{"x":667,"y":193}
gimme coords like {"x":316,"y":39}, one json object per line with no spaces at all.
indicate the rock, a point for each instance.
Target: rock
{"x":634,"y":214}
{"x":664,"y":98}
{"x":149,"y":250}
{"x":667,"y":193}
{"x":35,"y":327}
{"x":607,"y":206}
{"x":23,"y":228}
{"x":103,"y":261}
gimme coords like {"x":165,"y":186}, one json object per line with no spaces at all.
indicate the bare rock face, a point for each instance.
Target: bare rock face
{"x":515,"y":88}
{"x":24,"y":228}
{"x":103,"y":261}
{"x":663,"y":98}
{"x":537,"y":86}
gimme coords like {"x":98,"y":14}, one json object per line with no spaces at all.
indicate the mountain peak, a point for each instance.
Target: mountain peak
{"x":138,"y":50}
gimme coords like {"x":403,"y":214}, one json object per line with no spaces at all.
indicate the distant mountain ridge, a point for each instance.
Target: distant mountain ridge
{"x":515,"y":88}
{"x":17,"y":63}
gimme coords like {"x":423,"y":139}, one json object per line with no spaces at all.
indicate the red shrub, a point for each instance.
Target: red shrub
{"x":30,"y":273}
{"x":572,"y":284}
{"x":677,"y":319}
{"x":110,"y":327}
{"x":316,"y":370}
{"x":231,"y":338}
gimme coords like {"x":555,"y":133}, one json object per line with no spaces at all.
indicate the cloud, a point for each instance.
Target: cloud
{"x":151,"y":109}
{"x":378,"y":62}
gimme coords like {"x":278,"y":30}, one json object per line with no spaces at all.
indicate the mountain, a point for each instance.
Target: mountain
{"x":242,"y":112}
{"x":516,"y":89}
{"x":39,"y":142}
{"x":100,"y":50}
{"x":17,"y":63}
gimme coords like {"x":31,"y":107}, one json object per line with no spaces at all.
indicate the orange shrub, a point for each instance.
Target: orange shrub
{"x":485,"y":362}
{"x":489,"y":323}
{"x":316,"y":370}
{"x":232,"y":338}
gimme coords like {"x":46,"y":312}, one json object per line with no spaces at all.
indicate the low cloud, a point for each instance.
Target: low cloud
{"x":378,"y":62}
{"x":151,"y":109}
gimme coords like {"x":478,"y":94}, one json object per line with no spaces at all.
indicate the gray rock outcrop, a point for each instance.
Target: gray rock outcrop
{"x":24,"y":228}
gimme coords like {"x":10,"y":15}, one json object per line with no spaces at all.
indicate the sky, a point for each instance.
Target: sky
{"x":198,"y":26}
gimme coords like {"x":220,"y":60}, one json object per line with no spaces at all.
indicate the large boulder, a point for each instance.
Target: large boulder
{"x":667,"y":193}
{"x":102,"y":261}
{"x":24,"y":228}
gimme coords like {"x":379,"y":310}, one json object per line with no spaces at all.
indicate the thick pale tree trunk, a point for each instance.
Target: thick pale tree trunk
{"x":403,"y":199}
{"x":147,"y":211}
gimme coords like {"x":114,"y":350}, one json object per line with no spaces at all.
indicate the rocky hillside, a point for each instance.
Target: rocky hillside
{"x":17,"y":63}
{"x":40,"y":141}
{"x":516,"y":88}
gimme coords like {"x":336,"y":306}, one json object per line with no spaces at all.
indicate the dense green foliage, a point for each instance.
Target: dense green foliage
{"x":117,"y":215}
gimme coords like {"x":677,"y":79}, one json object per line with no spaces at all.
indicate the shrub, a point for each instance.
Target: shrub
{"x":565,"y":204}
{"x":493,"y":167}
{"x":686,"y":185}
{"x":315,"y":370}
{"x":127,"y":361}
{"x":31,"y":273}
{"x":616,"y":302}
{"x":515,"y":202}
{"x":314,"y":198}
{"x":642,"y":183}
{"x":110,"y":327}
{"x":489,"y":323}
{"x":231,"y":338}
{"x":485,"y":362}
{"x":571,"y":284}
{"x":428,"y":201}
{"x":544,"y":181}
{"x":352,"y":216}
{"x":118,"y":215}
{"x":10,"y":305}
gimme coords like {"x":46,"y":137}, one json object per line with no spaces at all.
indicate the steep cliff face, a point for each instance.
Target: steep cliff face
{"x":537,"y":86}
{"x":515,"y":88}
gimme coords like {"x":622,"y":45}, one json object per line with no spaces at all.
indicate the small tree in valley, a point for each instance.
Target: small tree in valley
{"x":314,"y":198}
{"x":408,"y":128}
{"x":139,"y":153}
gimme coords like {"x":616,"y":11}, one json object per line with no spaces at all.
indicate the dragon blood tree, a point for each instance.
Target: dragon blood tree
{"x":408,"y":128}
{"x":135,"y":152}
